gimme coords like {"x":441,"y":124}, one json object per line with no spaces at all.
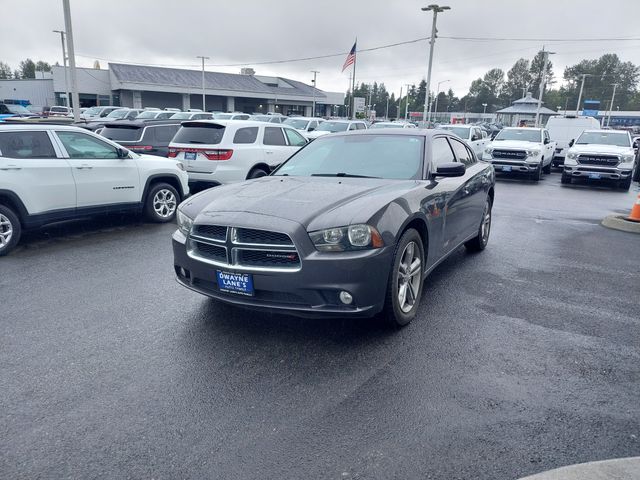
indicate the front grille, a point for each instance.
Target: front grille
{"x":604,"y":160}
{"x":214,"y":232}
{"x":506,"y":163}
{"x":212,"y":252}
{"x":510,"y":154}
{"x":249,"y":235}
{"x":599,"y":170}
{"x":267,"y":258}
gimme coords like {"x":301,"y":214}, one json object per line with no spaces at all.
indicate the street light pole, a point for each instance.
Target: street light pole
{"x":72,"y":60}
{"x":406,"y":104}
{"x":313,"y":109}
{"x":584,"y":75}
{"x":435,"y":109}
{"x":436,"y":9}
{"x":484,"y":109}
{"x":204,"y":106}
{"x":64,"y":63}
{"x":613,"y":96}
{"x":543,"y":81}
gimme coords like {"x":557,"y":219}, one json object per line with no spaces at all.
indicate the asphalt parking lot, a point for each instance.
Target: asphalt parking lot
{"x":523,"y":358}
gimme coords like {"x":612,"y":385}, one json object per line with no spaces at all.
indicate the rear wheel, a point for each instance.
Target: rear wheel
{"x":405,"y":280}
{"x":257,"y":173}
{"x":10,"y":230}
{"x":479,"y":243}
{"x":566,"y":179}
{"x":162,"y":203}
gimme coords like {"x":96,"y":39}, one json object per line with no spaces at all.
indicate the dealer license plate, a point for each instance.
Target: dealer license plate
{"x":506,"y":168}
{"x":595,"y":176}
{"x":190,"y":155}
{"x":240,"y":283}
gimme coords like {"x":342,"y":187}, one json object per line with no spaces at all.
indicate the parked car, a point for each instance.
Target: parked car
{"x":191,"y":116}
{"x":154,"y":115}
{"x":98,"y":112}
{"x":335,"y":126}
{"x":19,"y":110}
{"x":339,"y":229}
{"x":392,"y":125}
{"x":473,"y":136}
{"x":521,"y":150}
{"x":119,"y":114}
{"x":601,"y":155}
{"x":5,"y":112}
{"x":50,"y":173}
{"x":151,"y":137}
{"x":303,"y":124}
{"x":216,"y":152}
{"x":268,"y":118}
{"x":57,"y":111}
{"x":564,"y":128}
{"x":231,"y":116}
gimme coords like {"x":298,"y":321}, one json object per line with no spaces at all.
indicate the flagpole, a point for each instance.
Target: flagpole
{"x":353,"y":85}
{"x":347,"y":112}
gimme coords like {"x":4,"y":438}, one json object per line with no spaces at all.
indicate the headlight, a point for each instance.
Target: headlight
{"x":572,"y":155}
{"x":488,"y":150}
{"x":340,"y":239}
{"x":628,"y":157}
{"x":184,"y":222}
{"x":533,"y":152}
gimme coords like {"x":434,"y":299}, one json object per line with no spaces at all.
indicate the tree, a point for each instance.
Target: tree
{"x":518,"y":81}
{"x":535,"y":71}
{"x":27,"y":69}
{"x":5,"y":71}
{"x":42,"y":66}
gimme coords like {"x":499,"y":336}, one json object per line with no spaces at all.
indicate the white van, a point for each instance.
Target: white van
{"x":563,"y":129}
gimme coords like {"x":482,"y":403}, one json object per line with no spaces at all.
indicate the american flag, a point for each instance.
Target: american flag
{"x":351,"y":57}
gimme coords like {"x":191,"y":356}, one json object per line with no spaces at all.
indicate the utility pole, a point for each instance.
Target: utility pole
{"x":584,"y":75}
{"x":72,"y":60}
{"x":204,"y":106}
{"x":613,"y":96}
{"x":436,"y":9}
{"x":313,"y":109}
{"x":406,"y":105}
{"x":387,"y":114}
{"x":399,"y":104}
{"x":543,"y":80}
{"x":64,"y":63}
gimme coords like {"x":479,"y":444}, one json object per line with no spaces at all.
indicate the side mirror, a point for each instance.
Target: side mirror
{"x":474,"y":138}
{"x":547,"y":141}
{"x":122,"y":152}
{"x":311,"y":129}
{"x":452,"y":169}
{"x":636,"y":144}
{"x":571,"y":142}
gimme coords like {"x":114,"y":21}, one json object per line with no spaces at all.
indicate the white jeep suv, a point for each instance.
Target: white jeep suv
{"x":50,"y":173}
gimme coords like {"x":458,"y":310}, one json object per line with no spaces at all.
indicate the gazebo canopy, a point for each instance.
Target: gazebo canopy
{"x":526,"y":106}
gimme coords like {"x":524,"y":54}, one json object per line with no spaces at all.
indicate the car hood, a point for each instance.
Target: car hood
{"x":514,"y":144}
{"x":314,"y":202}
{"x":597,"y":148}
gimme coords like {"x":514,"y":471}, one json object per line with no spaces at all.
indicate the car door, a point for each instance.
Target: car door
{"x":102,"y":178}
{"x":276,"y":149}
{"x":476,"y":141}
{"x":549,"y":147}
{"x":32,"y":167}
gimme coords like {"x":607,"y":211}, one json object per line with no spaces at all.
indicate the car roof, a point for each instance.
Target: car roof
{"x":40,"y":126}
{"x":239,"y":123}
{"x":421,"y":132}
{"x":600,"y":130}
{"x":523,"y":128}
{"x":302,"y":118}
{"x":145,"y":123}
{"x":344,"y":121}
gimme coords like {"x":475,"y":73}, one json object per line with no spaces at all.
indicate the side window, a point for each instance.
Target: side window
{"x":29,"y":144}
{"x":441,"y":152}
{"x":546,"y":136}
{"x":80,"y":145}
{"x":295,"y":139}
{"x":361,"y":126}
{"x":352,"y":126}
{"x":246,"y":135}
{"x":463,"y":153}
{"x":241,"y":117}
{"x":476,"y":133}
{"x":312,"y":126}
{"x":165,"y":133}
{"x":273,"y":136}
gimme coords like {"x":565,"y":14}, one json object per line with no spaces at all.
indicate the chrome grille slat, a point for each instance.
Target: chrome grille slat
{"x":596,"y":159}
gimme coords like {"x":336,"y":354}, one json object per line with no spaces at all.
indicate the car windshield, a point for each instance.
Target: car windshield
{"x":462,"y":132}
{"x":222,"y":116}
{"x":521,"y":134}
{"x":378,"y":156}
{"x":118,"y":114}
{"x":124,"y":134}
{"x":296,"y":123}
{"x":144,"y":115}
{"x":259,"y":118}
{"x":92,"y":111}
{"x":18,"y":109}
{"x":182,"y":115}
{"x":604,"y":138}
{"x":387,"y":125}
{"x":332,"y":127}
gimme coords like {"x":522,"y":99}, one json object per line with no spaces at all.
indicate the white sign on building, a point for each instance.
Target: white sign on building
{"x":358,"y":104}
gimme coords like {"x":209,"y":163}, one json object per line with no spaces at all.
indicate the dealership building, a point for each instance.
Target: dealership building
{"x":139,"y":86}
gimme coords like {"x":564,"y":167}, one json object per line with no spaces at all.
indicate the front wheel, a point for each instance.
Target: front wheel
{"x":547,"y":169}
{"x":565,"y":179}
{"x":161,"y":203}
{"x":537,"y":175}
{"x":479,"y":242}
{"x":10,"y":230}
{"x":625,"y":184}
{"x":405,"y":280}
{"x":257,"y":173}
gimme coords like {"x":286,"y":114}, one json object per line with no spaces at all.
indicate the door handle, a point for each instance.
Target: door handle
{"x":268,"y":152}
{"x":11,"y":167}
{"x":84,"y":167}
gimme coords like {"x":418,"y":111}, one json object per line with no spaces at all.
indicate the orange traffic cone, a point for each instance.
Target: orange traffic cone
{"x":634,"y":216}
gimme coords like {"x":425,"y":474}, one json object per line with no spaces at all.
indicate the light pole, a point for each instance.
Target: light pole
{"x":406,"y":104}
{"x":584,"y":75}
{"x":72,"y":60}
{"x":613,"y":96}
{"x":484,"y":109}
{"x":64,"y":63}
{"x":543,"y":81}
{"x":435,"y":9}
{"x":204,"y":106}
{"x":313,"y":109}
{"x":435,"y":109}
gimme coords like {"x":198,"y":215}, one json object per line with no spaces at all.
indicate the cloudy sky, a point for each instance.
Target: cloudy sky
{"x":172,"y":33}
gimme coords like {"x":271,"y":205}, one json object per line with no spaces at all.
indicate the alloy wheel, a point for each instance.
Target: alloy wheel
{"x":485,"y":228}
{"x":164,"y":203}
{"x":6,"y":231}
{"x":409,"y":277}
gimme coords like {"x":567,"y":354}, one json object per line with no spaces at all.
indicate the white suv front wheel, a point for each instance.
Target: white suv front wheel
{"x":10,"y":230}
{"x":161,"y":203}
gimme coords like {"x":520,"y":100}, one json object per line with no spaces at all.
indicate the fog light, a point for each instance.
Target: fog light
{"x":346,"y":298}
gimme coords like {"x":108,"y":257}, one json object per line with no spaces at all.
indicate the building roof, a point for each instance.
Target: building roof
{"x":176,"y":77}
{"x":527,"y":105}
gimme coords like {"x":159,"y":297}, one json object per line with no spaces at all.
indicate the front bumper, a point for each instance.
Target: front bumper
{"x":596,"y":172}
{"x":311,"y":291}
{"x":511,"y":166}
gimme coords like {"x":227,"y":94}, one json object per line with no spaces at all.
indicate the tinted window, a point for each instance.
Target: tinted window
{"x":273,"y":136}
{"x":3,"y":109}
{"x":164,"y":115}
{"x":361,"y":126}
{"x":202,"y":116}
{"x":521,"y":134}
{"x":164,"y":133}
{"x":462,"y":152}
{"x":441,"y":152}
{"x":295,"y":139}
{"x":246,"y":135}
{"x":26,"y":145}
{"x":80,"y":145}
{"x":208,"y":135}
{"x":121,"y":134}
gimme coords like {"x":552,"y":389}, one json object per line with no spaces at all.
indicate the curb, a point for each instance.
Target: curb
{"x":616,"y":469}
{"x":617,"y":222}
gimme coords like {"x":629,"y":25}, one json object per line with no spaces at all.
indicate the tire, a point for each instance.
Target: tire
{"x":636,"y":172}
{"x":479,"y":242}
{"x":565,"y":179}
{"x":10,"y":230}
{"x":161,"y":203}
{"x":537,"y":175}
{"x":257,"y":173}
{"x":547,"y":169}
{"x":398,"y":309}
{"x":625,"y":184}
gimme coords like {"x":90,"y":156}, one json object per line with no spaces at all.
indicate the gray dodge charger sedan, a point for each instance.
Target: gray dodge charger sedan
{"x":350,"y":225}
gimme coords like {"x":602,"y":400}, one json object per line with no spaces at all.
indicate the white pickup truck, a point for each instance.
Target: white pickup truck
{"x":523,"y":150}
{"x":473,"y":136}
